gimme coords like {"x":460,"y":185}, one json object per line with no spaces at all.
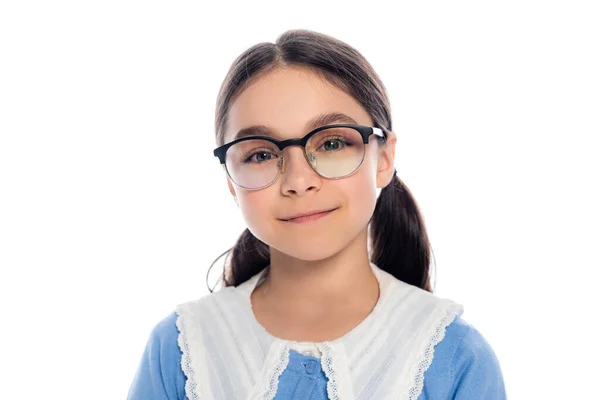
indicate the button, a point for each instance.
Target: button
{"x":311,"y":366}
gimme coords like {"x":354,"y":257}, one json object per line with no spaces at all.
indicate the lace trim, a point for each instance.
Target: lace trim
{"x":277,"y":363}
{"x":186,"y":362}
{"x":425,"y":351}
{"x":330,"y":367}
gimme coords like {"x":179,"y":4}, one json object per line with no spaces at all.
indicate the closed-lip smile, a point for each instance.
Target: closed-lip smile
{"x":308,"y":216}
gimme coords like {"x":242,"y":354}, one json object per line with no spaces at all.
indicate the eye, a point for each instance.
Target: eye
{"x":334,"y":143}
{"x":259,"y":157}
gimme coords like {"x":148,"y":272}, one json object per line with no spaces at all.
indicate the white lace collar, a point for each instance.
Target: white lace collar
{"x":384,"y":356}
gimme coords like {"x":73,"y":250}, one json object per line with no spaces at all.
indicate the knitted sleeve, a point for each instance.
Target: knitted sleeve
{"x":159,"y":375}
{"x":475,"y":370}
{"x":464,"y":367}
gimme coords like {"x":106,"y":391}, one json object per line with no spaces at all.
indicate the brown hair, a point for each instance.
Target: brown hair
{"x":400,"y":244}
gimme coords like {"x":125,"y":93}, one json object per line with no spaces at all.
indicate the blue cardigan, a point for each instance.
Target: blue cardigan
{"x":464,"y":367}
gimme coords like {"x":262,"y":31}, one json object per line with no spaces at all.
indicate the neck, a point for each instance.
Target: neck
{"x":341,"y":283}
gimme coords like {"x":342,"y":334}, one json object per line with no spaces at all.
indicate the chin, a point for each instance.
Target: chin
{"x":313,"y":246}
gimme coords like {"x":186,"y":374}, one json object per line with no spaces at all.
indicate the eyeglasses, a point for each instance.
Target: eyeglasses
{"x":332,"y":151}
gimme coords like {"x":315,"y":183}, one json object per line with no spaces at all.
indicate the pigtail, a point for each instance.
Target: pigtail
{"x":400,"y":244}
{"x":247,"y":257}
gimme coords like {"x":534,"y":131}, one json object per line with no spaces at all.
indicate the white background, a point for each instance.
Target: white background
{"x":113,"y":207}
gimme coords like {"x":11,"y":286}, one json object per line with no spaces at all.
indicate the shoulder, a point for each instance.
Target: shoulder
{"x":461,"y":334}
{"x":469,"y":340}
{"x":464,"y":365}
{"x":470,"y":347}
{"x":159,"y":374}
{"x":165,"y":331}
{"x":475,"y":362}
{"x":164,"y":345}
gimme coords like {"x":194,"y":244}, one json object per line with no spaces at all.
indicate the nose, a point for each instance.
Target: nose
{"x":298,"y":178}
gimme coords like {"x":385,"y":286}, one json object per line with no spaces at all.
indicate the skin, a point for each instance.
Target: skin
{"x":320,"y":283}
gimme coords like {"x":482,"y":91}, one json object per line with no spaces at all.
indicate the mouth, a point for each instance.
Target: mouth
{"x":312,"y":216}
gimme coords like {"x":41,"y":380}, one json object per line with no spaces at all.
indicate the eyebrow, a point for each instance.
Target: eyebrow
{"x":317,"y":121}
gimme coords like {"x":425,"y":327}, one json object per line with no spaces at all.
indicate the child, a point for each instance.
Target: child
{"x":327,"y":293}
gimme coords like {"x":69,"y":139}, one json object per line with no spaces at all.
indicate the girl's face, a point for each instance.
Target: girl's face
{"x":285,"y":100}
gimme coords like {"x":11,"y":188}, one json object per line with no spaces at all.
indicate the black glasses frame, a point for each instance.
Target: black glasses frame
{"x":365,"y":132}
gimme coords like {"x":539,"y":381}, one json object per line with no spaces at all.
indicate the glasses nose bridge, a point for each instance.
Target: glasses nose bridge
{"x":301,"y":142}
{"x":292,"y":142}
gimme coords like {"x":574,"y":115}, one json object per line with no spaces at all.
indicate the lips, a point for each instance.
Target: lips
{"x":308,"y":215}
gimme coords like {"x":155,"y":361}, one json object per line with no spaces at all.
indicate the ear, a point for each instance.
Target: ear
{"x":232,"y":190}
{"x":385,"y":163}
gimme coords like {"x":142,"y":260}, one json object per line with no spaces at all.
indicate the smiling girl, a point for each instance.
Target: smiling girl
{"x":327,"y":293}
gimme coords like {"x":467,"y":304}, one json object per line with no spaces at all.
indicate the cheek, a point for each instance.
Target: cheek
{"x":257,"y":212}
{"x":251,"y":203}
{"x":360,"y":190}
{"x":362,"y":196}
{"x":372,"y":159}
{"x":367,"y":173}
{"x":364,"y":190}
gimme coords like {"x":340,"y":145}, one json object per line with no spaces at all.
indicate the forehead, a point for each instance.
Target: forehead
{"x":286,"y":99}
